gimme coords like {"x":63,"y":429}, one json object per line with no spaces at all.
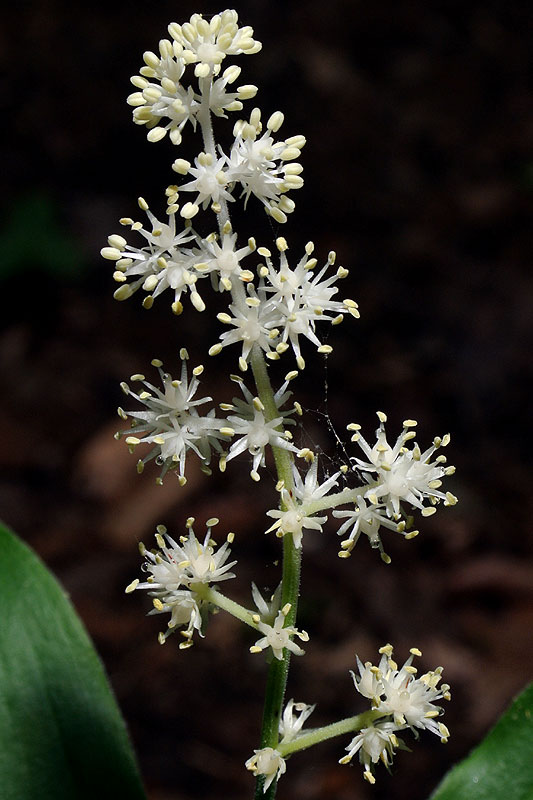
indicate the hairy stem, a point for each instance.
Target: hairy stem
{"x":348,"y":725}
{"x":279,"y":669}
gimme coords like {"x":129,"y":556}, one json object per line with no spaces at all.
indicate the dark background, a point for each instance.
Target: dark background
{"x":419,"y":173}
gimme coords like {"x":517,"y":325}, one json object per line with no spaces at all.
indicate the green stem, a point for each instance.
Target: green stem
{"x":221,"y":601}
{"x":348,"y":725}
{"x":334,"y":500}
{"x":292,"y":556}
{"x":278,"y":670}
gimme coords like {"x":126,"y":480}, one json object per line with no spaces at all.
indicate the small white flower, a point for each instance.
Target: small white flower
{"x":207,"y":42}
{"x":411,"y":700}
{"x":403,"y":474}
{"x":223,"y":260}
{"x":161,"y":96}
{"x":209,"y":181}
{"x":366,"y":518}
{"x":171,"y":422}
{"x":163,"y":263}
{"x":221,"y":100}
{"x":267,"y":610}
{"x":264,"y":167}
{"x":267,"y":762}
{"x":277,"y":636}
{"x":369,"y":682}
{"x":290,"y":724}
{"x":255,"y":432}
{"x":249,"y":321}
{"x":292,"y":518}
{"x":375,"y":743}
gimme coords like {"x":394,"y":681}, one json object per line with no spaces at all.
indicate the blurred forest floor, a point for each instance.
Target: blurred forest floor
{"x":419,"y":172}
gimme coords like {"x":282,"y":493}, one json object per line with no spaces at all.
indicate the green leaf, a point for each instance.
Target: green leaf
{"x":61,"y":734}
{"x":502,"y":765}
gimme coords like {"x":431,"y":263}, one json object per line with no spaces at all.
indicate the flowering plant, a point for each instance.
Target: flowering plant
{"x":274,"y":304}
{"x":277,"y":306}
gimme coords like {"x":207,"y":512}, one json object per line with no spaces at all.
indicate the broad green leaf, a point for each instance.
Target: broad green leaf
{"x":61,"y":734}
{"x":502,"y":765}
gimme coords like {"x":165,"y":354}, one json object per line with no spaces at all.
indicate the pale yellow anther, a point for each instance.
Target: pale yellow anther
{"x":297,"y":141}
{"x":277,"y":214}
{"x":181,"y":166}
{"x":156,"y":134}
{"x":307,"y":454}
{"x":275,"y":121}
{"x":381,"y":416}
{"x":428,"y":512}
{"x":243,"y":365}
{"x":189,"y":210}
{"x":158,"y":605}
{"x":286,"y":608}
{"x":132,"y":586}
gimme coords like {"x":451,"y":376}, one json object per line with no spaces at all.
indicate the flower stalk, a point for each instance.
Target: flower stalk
{"x":277,"y":305}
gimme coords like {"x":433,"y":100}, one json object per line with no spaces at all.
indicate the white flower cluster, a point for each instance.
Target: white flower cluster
{"x":399,"y":701}
{"x":395,"y":475}
{"x":176,"y":574}
{"x":274,"y":303}
{"x":257,"y":162}
{"x":172,"y":425}
{"x":161,"y":98}
{"x":286,"y":304}
{"x":165,"y":263}
{"x":405,"y":702}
